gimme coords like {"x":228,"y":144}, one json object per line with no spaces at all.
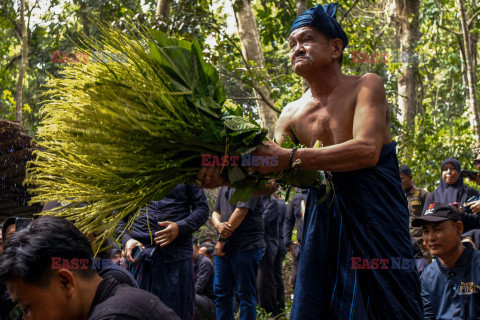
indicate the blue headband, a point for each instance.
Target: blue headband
{"x":323,"y":19}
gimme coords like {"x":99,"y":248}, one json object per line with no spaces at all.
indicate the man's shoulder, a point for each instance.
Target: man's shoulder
{"x":368,"y":79}
{"x":131,"y":303}
{"x":475,"y":260}
{"x":421,"y":191}
{"x":205,"y":261}
{"x":430,"y":272}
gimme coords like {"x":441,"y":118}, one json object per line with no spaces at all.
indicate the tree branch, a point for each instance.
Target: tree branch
{"x":348,"y":11}
{"x":472,"y":18}
{"x":252,"y":84}
{"x":449,"y":30}
{"x":254,"y":87}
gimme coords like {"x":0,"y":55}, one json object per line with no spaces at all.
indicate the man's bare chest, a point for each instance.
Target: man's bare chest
{"x":331,"y":124}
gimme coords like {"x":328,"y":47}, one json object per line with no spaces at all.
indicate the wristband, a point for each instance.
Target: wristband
{"x":220,"y":239}
{"x":291,"y":157}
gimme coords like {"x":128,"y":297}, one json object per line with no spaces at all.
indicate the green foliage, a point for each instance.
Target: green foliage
{"x":118,"y":135}
{"x":432,"y":143}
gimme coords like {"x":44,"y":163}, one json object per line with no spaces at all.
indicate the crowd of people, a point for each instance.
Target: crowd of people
{"x":357,"y":254}
{"x":175,"y":276}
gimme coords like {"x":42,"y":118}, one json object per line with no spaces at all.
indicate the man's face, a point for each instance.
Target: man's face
{"x":10,"y":231}
{"x":442,"y":238}
{"x":406,"y":181}
{"x":41,"y":303}
{"x":308,"y":48}
{"x":195,"y":251}
{"x":449,"y":173}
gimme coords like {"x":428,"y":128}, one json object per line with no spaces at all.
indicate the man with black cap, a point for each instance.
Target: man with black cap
{"x":366,"y":216}
{"x":451,"y":284}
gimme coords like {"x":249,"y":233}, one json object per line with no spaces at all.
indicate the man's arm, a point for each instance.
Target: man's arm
{"x":428,"y":313}
{"x":200,"y":211}
{"x":197,"y":201}
{"x":235,"y":220}
{"x":237,"y":217}
{"x":362,"y":151}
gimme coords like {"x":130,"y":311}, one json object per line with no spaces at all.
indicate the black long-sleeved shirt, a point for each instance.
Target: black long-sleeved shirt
{"x":282,"y":210}
{"x":187,"y":206}
{"x":204,"y":276}
{"x":115,"y":301}
{"x":271,"y":221}
{"x":294,"y":217}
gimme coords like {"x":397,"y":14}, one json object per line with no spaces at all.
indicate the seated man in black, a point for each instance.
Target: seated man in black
{"x":204,"y":275}
{"x":450,"y":284}
{"x":48,"y":272}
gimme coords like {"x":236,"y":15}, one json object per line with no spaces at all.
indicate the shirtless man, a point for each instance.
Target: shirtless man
{"x":355,"y":242}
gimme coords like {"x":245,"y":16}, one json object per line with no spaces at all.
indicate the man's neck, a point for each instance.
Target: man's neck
{"x":87,"y":292}
{"x":451,"y":259}
{"x":323,"y":82}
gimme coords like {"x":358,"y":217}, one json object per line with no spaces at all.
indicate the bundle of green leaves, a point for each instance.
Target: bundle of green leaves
{"x":118,"y":133}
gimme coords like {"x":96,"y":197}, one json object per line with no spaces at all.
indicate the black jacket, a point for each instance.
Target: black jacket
{"x":115,"y":301}
{"x":185,"y":205}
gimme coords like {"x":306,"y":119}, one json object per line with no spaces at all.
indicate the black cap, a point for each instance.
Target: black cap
{"x":437,"y":212}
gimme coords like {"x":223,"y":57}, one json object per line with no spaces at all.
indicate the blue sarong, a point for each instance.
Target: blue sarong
{"x":363,"y":220}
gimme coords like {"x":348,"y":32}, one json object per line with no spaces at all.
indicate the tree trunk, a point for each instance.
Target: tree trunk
{"x":252,"y":52}
{"x":407,"y":12}
{"x":23,"y":65}
{"x":471,"y":78}
{"x":301,"y":8}
{"x":163,"y":9}
{"x":84,"y":18}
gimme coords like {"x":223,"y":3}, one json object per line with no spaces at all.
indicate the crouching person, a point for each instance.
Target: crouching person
{"x":47,"y":268}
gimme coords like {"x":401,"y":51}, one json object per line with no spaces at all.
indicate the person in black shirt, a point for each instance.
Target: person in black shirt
{"x":238,"y":253}
{"x":48,"y":271}
{"x":266,"y":286}
{"x":165,"y":266}
{"x":204,"y":274}
{"x":294,"y":217}
{"x":281,"y":252}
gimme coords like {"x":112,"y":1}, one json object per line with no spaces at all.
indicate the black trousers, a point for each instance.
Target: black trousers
{"x":278,"y":274}
{"x":266,"y":288}
{"x":204,"y":308}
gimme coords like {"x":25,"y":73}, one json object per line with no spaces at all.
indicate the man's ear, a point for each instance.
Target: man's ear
{"x":337,"y":48}
{"x":459,"y":226}
{"x":67,"y":281}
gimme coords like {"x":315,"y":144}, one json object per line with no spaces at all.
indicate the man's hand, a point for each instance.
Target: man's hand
{"x":474,"y":206}
{"x":129,"y":246}
{"x":219,"y":248}
{"x":210,"y":178}
{"x":292,"y":247}
{"x":224,"y":229}
{"x":271,"y":149}
{"x":166,"y":236}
